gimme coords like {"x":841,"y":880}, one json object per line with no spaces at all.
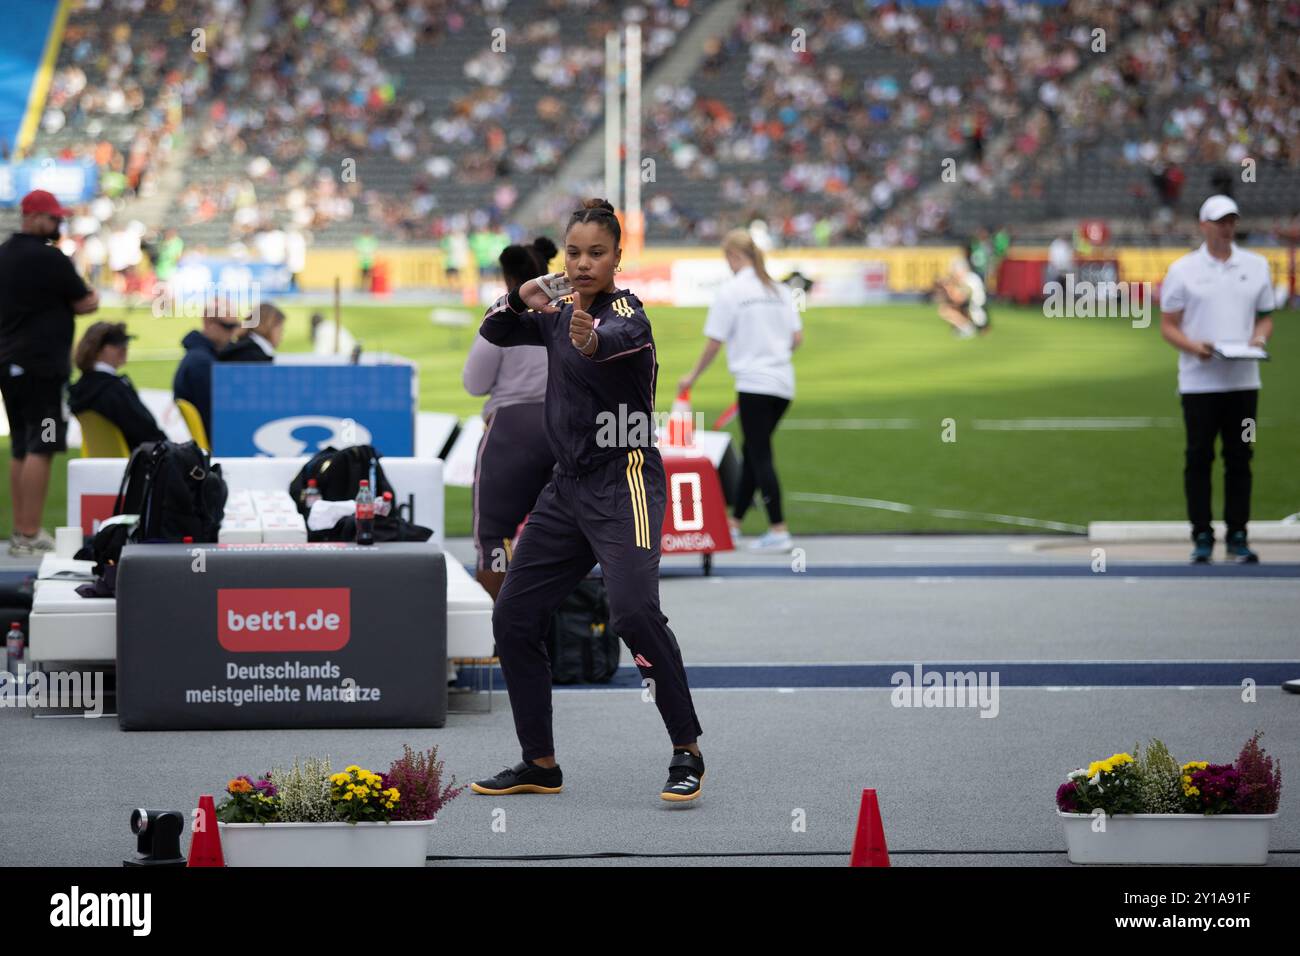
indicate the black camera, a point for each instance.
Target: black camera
{"x":157,"y":838}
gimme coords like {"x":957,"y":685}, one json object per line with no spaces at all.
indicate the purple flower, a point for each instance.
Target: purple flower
{"x":267,"y":787}
{"x":1260,"y":779}
{"x":1065,"y":797}
{"x":1217,"y":784}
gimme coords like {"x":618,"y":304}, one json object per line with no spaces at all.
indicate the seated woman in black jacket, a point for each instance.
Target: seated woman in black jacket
{"x":256,"y":343}
{"x":100,"y":353}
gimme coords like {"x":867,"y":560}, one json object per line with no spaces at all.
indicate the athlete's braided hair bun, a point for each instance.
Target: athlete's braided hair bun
{"x":545,"y":250}
{"x":599,"y":211}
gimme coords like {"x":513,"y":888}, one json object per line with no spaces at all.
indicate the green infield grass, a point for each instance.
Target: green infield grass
{"x":1050,"y":423}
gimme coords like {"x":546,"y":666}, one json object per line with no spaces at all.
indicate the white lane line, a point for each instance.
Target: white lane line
{"x":1066,"y":423}
{"x":878,"y":503}
{"x":1071,"y":424}
{"x":882,"y":505}
{"x":852,"y":424}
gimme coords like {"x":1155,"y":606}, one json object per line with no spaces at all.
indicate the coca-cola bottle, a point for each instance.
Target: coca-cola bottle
{"x":310,"y":495}
{"x":365,"y":514}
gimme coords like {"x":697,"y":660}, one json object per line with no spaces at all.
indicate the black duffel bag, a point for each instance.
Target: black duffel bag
{"x":582,"y":646}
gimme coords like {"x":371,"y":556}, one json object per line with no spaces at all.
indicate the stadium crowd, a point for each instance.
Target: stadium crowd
{"x":780,"y":123}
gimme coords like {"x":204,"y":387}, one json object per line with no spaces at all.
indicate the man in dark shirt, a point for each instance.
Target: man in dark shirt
{"x":193,"y":381}
{"x":40,"y":295}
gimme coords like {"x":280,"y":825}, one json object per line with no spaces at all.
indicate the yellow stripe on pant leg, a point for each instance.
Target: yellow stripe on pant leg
{"x":643,"y":532}
{"x":632,"y":495}
{"x":645,"y":506}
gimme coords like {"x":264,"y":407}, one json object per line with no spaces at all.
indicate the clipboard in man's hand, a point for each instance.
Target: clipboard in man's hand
{"x":1240,"y":350}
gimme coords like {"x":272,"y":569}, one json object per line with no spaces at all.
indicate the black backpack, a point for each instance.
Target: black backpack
{"x":582,"y":647}
{"x":175,"y":489}
{"x":338,"y":473}
{"x":389,"y":527}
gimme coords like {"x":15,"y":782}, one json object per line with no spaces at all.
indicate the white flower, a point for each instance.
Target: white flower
{"x":1077,"y":774}
{"x":1096,"y":779}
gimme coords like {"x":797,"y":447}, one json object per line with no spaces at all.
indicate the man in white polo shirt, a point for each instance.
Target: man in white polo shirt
{"x":1218,"y":295}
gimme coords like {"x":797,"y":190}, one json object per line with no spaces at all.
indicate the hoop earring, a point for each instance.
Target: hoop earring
{"x":618,"y":268}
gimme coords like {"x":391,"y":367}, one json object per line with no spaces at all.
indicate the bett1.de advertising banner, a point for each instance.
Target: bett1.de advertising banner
{"x":307,"y":635}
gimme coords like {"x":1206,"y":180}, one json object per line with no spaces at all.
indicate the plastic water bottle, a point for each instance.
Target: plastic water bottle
{"x":365,"y":514}
{"x":15,"y":643}
{"x":310,"y":495}
{"x":384,"y":505}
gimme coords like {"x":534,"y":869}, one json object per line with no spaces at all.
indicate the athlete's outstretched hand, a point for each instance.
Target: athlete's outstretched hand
{"x":540,"y":294}
{"x":582,"y":332}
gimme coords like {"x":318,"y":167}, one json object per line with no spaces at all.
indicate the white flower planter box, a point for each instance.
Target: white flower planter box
{"x":1239,"y":839}
{"x":402,"y":843}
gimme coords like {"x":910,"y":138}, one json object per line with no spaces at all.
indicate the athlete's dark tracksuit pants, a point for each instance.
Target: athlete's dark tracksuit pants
{"x":613,"y":515}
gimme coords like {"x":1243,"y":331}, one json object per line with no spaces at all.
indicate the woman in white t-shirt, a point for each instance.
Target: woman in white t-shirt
{"x":756,"y":318}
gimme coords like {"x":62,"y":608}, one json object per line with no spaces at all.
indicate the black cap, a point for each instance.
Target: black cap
{"x":115,"y":336}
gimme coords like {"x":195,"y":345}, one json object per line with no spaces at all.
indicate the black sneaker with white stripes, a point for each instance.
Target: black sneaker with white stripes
{"x":685,"y":777}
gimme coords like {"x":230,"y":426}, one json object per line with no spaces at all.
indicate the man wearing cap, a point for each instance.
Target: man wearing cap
{"x":1219,"y":295}
{"x":193,"y":381}
{"x":40,"y":296}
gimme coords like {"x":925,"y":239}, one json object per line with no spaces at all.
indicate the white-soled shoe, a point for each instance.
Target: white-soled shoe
{"x":42,"y":541}
{"x":773,"y":542}
{"x":22,"y":545}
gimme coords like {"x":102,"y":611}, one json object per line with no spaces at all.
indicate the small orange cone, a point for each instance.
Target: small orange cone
{"x":205,"y":845}
{"x":681,"y":427}
{"x":869,"y":847}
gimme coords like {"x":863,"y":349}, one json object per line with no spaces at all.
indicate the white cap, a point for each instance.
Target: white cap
{"x":1216,"y":207}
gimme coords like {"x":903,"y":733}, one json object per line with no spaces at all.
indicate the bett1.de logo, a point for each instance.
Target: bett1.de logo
{"x":283,"y":619}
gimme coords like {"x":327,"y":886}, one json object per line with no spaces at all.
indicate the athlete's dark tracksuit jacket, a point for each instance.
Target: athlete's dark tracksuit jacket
{"x":605,"y":502}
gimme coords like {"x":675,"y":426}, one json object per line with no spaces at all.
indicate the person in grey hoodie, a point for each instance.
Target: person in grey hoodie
{"x":514,"y":461}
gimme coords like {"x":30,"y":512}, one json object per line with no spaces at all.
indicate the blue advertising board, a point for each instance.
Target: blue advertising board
{"x":203,"y":272}
{"x":72,"y":183}
{"x":282,"y":411}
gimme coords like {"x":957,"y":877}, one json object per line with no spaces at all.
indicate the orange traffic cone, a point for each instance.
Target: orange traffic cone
{"x":205,"y":845}
{"x":681,"y":428}
{"x":869,"y":847}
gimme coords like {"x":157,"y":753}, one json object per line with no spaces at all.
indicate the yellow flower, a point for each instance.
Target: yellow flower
{"x":347,"y":796}
{"x":1109,"y":765}
{"x":352,"y":769}
{"x":1188,"y":769}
